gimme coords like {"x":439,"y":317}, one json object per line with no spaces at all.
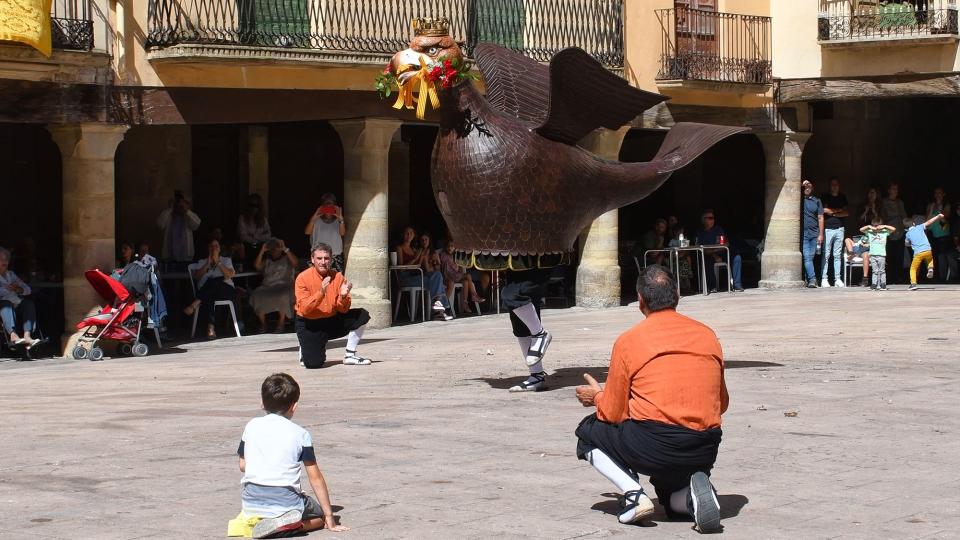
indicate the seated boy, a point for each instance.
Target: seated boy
{"x":859,"y":246}
{"x":271,"y":451}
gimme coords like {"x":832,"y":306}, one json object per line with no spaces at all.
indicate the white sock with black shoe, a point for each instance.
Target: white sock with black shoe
{"x":636,"y":503}
{"x":538,"y":378}
{"x":350,"y":356}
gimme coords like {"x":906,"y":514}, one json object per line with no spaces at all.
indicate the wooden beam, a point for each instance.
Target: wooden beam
{"x":896,"y":86}
{"x":54,"y":103}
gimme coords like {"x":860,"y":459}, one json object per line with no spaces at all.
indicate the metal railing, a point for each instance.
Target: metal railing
{"x":373,"y":30}
{"x":71,"y":25}
{"x":874,"y":19}
{"x":714,"y":46}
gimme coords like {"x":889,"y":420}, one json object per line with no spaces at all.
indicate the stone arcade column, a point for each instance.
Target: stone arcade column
{"x":89,"y":221}
{"x":366,"y":157}
{"x":598,"y":276}
{"x":781,"y":264}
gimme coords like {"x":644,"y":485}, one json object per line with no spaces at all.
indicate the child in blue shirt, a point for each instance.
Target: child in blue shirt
{"x":918,"y":241}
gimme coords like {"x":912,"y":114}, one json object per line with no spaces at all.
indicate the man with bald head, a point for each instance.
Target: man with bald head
{"x":659,"y":413}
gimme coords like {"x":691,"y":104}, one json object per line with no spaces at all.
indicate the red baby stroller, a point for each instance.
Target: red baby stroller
{"x":120,"y":321}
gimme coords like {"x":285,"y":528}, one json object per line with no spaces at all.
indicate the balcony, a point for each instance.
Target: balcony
{"x":71,"y":26}
{"x":371,"y":31}
{"x":859,"y":23}
{"x":714,"y":50}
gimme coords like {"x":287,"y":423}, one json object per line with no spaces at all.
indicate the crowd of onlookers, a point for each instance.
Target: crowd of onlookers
{"x":894,"y":244}
{"x":669,"y":233}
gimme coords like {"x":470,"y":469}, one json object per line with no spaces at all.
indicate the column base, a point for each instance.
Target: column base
{"x":771,"y":284}
{"x":381,"y":312}
{"x":598,"y":286}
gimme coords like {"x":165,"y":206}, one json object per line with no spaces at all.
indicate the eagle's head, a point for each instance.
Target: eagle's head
{"x":430,"y":43}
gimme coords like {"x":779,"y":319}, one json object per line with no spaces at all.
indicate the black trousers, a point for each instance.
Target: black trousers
{"x":527,"y":287}
{"x":314,"y":334}
{"x":668,"y":454}
{"x":212,"y":291}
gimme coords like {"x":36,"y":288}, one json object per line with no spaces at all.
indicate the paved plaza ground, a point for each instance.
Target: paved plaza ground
{"x":427,"y":442}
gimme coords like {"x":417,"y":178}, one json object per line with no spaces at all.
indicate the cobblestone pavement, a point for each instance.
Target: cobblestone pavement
{"x":427,"y":442}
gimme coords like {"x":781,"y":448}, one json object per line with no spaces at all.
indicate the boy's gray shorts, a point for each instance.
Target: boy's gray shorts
{"x":311,"y":508}
{"x":272,"y":501}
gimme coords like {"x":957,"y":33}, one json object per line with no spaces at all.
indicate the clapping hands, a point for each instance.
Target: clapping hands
{"x":345,"y":288}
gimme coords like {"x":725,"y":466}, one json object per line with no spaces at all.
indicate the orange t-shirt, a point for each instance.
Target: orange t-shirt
{"x":668,"y":368}
{"x":312,"y":303}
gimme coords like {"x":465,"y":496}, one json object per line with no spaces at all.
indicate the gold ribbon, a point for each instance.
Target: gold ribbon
{"x":418,"y":88}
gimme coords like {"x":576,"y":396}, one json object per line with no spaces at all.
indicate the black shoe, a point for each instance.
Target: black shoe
{"x":913,"y":287}
{"x":738,"y":289}
{"x":704,"y":504}
{"x":811,"y":285}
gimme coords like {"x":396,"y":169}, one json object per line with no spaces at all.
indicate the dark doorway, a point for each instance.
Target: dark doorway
{"x":219,"y":189}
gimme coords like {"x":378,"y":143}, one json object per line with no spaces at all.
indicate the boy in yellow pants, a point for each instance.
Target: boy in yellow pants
{"x":922,"y":252}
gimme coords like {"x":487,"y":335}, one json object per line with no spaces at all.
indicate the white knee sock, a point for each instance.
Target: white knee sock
{"x":528,"y":314}
{"x":524,"y":345}
{"x":678,"y":501}
{"x":611,"y":471}
{"x":353,"y":339}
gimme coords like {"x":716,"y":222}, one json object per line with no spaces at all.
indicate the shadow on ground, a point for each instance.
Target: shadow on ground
{"x":735,"y":364}
{"x":330,"y":345}
{"x":730,"y":506}
{"x":561,"y":378}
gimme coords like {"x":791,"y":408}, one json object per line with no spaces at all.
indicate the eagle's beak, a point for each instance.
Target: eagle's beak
{"x":406,"y":63}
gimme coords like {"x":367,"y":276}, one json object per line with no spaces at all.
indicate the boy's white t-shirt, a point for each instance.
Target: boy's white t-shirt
{"x":273,"y":448}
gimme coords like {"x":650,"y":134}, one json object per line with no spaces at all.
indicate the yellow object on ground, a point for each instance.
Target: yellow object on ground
{"x":26,"y":21}
{"x":242,"y":525}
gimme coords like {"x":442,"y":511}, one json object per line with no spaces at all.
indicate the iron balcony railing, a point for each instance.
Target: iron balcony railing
{"x":71,"y":26}
{"x":373,"y":30}
{"x":852,"y":20}
{"x":714,"y":46}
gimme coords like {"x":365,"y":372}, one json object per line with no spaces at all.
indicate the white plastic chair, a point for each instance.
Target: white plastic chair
{"x":850,"y":265}
{"x":216,"y":304}
{"x":458,"y":289}
{"x":415,"y":294}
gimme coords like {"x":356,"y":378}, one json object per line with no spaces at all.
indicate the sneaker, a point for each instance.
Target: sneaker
{"x":290,"y":520}
{"x":438,"y":306}
{"x":929,"y":272}
{"x":864,"y":282}
{"x":811,"y":285}
{"x":447,"y":316}
{"x":352,"y":359}
{"x":636,"y":506}
{"x":704,"y":504}
{"x":534,"y":383}
{"x":839,"y":284}
{"x":538,"y":347}
{"x":913,"y":287}
{"x":738,"y":289}
{"x":883,"y":287}
{"x":824,"y":283}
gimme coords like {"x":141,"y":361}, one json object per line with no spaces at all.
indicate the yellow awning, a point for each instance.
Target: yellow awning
{"x":26,"y":21}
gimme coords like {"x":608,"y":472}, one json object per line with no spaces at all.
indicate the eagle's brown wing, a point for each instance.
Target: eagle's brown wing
{"x":584,"y":96}
{"x":516,"y":85}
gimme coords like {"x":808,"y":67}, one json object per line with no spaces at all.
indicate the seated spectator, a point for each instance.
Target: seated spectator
{"x":710,"y":236}
{"x":275,"y":294}
{"x":143,"y":253}
{"x":656,"y":238}
{"x":407,"y":254}
{"x":127,"y":255}
{"x":213,"y":278}
{"x":253,"y":230}
{"x":453,"y":274}
{"x":860,"y":245}
{"x":326,"y":227}
{"x":14,"y":305}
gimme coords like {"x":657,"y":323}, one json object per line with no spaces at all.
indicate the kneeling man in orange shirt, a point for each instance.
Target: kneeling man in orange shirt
{"x":323,"y":311}
{"x":659,"y":413}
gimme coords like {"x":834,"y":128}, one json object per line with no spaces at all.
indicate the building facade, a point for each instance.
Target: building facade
{"x":222,"y":98}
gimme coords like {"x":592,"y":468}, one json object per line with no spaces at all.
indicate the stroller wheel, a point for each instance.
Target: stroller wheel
{"x":126,"y":349}
{"x":140,"y":349}
{"x":79,"y":352}
{"x":96,"y":353}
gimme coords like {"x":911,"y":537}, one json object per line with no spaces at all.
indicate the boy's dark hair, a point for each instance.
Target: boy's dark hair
{"x":658,"y":288}
{"x":876,"y":221}
{"x":279,"y":392}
